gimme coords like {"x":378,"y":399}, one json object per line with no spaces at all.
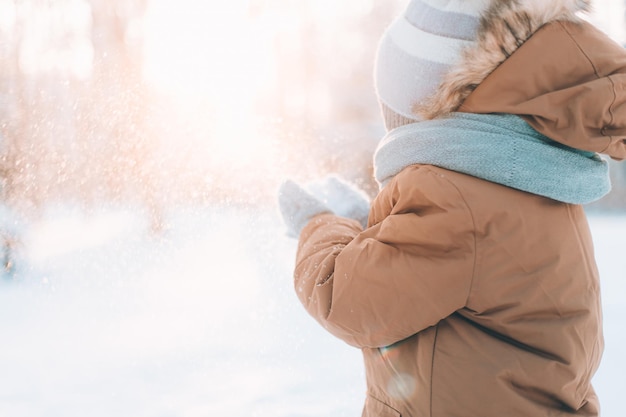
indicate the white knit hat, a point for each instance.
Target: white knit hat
{"x":416,"y":51}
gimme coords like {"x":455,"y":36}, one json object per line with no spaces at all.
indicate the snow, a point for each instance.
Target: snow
{"x":104,"y":318}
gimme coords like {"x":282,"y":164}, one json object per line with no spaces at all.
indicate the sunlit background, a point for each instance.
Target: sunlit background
{"x":146,"y":271}
{"x":123,"y":99}
{"x":205,"y":100}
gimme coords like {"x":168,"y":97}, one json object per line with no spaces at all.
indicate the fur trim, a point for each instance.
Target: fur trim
{"x":504,"y":26}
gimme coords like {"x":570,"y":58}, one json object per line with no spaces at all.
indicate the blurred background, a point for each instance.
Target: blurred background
{"x":146,"y":270}
{"x":162,"y":103}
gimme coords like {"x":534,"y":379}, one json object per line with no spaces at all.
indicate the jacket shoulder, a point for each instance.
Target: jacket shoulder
{"x":419,"y":188}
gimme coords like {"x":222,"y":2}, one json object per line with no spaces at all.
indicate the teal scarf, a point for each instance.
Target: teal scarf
{"x":499,"y":148}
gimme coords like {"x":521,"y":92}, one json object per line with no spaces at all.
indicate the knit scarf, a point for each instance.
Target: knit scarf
{"x":499,"y":148}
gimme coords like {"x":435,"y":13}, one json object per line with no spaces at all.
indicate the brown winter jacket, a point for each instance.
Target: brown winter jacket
{"x":469,"y":298}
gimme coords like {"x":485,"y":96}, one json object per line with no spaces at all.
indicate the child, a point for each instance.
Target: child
{"x":473,"y":290}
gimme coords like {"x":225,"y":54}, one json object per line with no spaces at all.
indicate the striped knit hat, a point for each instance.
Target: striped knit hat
{"x":416,"y":51}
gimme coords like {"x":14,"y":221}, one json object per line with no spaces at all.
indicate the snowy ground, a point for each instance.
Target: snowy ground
{"x":109,"y":320}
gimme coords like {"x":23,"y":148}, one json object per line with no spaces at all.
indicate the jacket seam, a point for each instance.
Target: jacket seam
{"x":598,"y":76}
{"x":611,"y":114}
{"x":471,"y":286}
{"x":432,"y":371}
{"x":613,"y":89}
{"x":471,"y":215}
{"x":580,"y":48}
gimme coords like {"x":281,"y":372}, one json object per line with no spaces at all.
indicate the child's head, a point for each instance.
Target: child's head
{"x":417,"y":50}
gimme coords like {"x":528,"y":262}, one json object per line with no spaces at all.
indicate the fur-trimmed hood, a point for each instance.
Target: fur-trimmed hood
{"x":504,"y":26}
{"x":540,"y":60}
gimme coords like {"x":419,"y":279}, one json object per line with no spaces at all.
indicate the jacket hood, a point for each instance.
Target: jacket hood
{"x":504,"y":26}
{"x":542,"y":61}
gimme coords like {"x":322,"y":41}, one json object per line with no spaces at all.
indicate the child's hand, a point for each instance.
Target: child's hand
{"x":344,"y":199}
{"x":298,"y":207}
{"x":331,"y":195}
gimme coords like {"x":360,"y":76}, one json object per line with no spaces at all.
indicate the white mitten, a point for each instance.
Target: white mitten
{"x":344,"y":199}
{"x":298,"y":207}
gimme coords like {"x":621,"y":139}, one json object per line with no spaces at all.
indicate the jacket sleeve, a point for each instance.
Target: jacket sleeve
{"x":410,"y":269}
